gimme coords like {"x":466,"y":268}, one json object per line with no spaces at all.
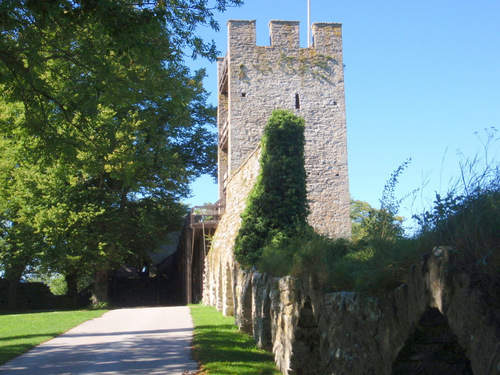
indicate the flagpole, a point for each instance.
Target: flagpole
{"x":309,"y":23}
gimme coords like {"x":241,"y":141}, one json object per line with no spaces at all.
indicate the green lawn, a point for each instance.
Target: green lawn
{"x":222,"y":349}
{"x":21,"y":332}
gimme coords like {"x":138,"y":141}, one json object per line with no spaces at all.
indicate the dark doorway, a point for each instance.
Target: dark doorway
{"x":155,"y":286}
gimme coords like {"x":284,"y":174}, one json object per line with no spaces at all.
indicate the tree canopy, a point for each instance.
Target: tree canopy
{"x":102,"y":128}
{"x":370,"y":223}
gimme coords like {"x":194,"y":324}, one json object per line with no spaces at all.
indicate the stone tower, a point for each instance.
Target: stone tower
{"x":255,"y":80}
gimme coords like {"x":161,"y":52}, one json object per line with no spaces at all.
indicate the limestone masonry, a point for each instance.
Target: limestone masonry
{"x":255,"y":80}
{"x":438,"y":322}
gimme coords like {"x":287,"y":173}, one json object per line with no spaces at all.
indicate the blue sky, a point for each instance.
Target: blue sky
{"x":422,"y":81}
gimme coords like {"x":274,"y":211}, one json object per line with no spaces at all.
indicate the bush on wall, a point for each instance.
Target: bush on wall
{"x":277,"y":205}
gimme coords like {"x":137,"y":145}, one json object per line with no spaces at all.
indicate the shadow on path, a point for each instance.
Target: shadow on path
{"x":126,"y":341}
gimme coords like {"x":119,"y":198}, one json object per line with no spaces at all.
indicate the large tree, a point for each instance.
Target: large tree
{"x":107,"y":123}
{"x":370,"y":223}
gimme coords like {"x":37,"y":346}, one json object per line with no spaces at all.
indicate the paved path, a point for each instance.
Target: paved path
{"x":154,"y":340}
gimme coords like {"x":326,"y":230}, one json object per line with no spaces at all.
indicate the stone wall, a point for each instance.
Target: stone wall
{"x":345,"y":333}
{"x":219,"y":263}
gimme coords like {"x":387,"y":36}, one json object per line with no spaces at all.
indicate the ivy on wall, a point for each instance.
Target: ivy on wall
{"x":277,"y":205}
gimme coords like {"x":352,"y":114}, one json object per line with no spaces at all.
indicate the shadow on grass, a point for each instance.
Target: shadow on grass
{"x":25,"y":337}
{"x":223,"y":350}
{"x":12,"y":350}
{"x":9,"y":352}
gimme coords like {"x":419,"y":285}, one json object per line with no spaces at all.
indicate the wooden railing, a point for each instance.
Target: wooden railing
{"x":223,"y":78}
{"x":223,"y":135}
{"x":206,"y":216}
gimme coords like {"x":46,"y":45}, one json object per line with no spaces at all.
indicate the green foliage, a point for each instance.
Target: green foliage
{"x":298,"y":254}
{"x":58,"y":286}
{"x":100,"y":305}
{"x":369,"y":223}
{"x":374,"y":267}
{"x":102,"y":127}
{"x":378,"y":257}
{"x":19,"y":240}
{"x":469,"y":224}
{"x":467,"y":218}
{"x":277,"y":205}
{"x":368,"y":266}
{"x":56,"y":283}
{"x":222,"y":349}
{"x":21,"y":332}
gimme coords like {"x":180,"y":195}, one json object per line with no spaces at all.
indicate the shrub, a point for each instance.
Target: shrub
{"x":304,"y":255}
{"x":470,"y":225}
{"x":277,"y":206}
{"x":467,"y":218}
{"x":375,"y":267}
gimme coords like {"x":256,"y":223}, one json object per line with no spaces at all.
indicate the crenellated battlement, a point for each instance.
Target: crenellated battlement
{"x":327,"y":37}
{"x":244,"y":31}
{"x":284,"y":34}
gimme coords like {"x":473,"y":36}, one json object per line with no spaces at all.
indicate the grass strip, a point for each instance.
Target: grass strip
{"x":21,"y":332}
{"x":222,"y":349}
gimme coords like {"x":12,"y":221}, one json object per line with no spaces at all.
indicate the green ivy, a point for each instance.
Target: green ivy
{"x":277,"y":205}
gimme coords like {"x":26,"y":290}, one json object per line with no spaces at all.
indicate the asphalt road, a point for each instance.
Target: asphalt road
{"x":155,"y":340}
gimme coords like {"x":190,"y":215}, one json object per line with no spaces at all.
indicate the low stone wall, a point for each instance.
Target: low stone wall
{"x":219,"y":262}
{"x":345,"y":333}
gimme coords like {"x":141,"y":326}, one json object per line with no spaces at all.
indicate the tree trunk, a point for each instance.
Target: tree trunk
{"x":72,"y":292}
{"x":100,"y":292}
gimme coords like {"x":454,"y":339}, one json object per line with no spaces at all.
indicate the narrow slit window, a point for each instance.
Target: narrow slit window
{"x":297,"y":101}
